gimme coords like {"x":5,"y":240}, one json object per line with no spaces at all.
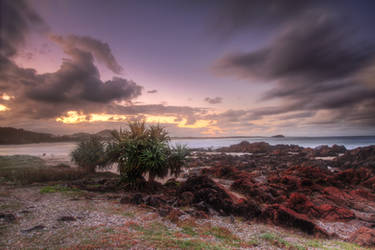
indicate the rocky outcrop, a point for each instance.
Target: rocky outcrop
{"x":364,"y":236}
{"x":208,"y":195}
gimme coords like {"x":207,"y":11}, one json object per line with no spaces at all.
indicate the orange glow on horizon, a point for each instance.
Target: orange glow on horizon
{"x":3,"y":108}
{"x":74,"y":117}
{"x":6,"y":97}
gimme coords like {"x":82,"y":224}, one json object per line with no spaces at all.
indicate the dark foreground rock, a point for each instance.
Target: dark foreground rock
{"x":207,"y":194}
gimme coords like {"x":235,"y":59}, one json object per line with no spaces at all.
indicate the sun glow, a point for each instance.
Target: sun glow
{"x":3,"y":108}
{"x":6,"y":97}
{"x":73,"y":117}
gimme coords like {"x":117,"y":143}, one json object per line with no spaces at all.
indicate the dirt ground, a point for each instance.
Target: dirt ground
{"x":58,"y":217}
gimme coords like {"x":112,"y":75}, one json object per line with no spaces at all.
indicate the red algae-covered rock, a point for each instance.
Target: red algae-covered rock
{"x":337,"y":196}
{"x":333,"y":213}
{"x":301,"y":204}
{"x":370,"y":183}
{"x":353,"y":176}
{"x":364,"y":236}
{"x":325,"y":150}
{"x":358,"y":157}
{"x":281,"y":215}
{"x":362,"y":194}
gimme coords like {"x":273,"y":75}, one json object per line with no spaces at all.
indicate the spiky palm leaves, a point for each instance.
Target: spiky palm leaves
{"x":139,"y":150}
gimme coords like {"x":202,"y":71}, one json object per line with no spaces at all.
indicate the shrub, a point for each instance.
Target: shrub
{"x":90,"y":154}
{"x":140,"y":150}
{"x":177,"y":158}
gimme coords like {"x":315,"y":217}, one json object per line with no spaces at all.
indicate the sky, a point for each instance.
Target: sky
{"x":199,"y":68}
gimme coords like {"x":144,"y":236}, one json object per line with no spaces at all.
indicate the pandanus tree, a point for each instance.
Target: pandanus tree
{"x":90,"y":154}
{"x":140,"y":150}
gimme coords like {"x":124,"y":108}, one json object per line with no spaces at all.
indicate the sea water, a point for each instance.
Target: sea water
{"x":62,"y":149}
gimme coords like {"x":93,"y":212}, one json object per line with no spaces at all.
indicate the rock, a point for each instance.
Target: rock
{"x":35,"y":228}
{"x":174,"y":215}
{"x":154,"y":200}
{"x":136,"y":198}
{"x":333,"y":213}
{"x":66,"y":218}
{"x":324,"y":150}
{"x":301,"y":204}
{"x":364,"y":236}
{"x":172,"y":183}
{"x":185,"y":199}
{"x":245,"y":146}
{"x":200,"y":215}
{"x":8,"y":218}
{"x":284,"y":216}
{"x":163,"y":211}
{"x":202,"y":206}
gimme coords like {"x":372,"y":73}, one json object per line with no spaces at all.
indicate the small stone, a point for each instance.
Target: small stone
{"x":35,"y":228}
{"x":7,"y":218}
{"x":66,"y":218}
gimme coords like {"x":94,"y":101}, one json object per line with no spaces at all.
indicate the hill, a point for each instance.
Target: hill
{"x":9,"y":135}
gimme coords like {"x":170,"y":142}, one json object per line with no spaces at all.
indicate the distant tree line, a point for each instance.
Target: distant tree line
{"x":9,"y":135}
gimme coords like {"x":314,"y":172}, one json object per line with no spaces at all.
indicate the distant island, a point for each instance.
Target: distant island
{"x":278,"y":136}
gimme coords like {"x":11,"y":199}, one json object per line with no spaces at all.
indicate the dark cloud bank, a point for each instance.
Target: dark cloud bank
{"x":316,"y":62}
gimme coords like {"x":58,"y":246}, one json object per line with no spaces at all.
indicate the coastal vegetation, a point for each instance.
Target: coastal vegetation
{"x":140,"y":150}
{"x":90,"y":154}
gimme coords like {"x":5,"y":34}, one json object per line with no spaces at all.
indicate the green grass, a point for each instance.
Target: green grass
{"x":128,"y":214}
{"x":314,"y":244}
{"x":58,"y":188}
{"x":159,"y":236}
{"x":347,"y":246}
{"x":13,"y":162}
{"x":278,"y":241}
{"x":26,"y":169}
{"x":189,"y":230}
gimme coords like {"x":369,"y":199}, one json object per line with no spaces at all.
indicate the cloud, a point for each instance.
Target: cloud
{"x":154,"y":91}
{"x":75,"y":91}
{"x":100,"y":50}
{"x":234,"y":16}
{"x":315,"y":63}
{"x":214,"y":100}
{"x":76,"y":85}
{"x":17,"y":20}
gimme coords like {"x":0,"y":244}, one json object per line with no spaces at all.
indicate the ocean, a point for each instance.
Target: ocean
{"x":62,"y":149}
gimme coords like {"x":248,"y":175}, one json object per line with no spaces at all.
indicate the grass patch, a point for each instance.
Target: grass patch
{"x":221,"y":233}
{"x":158,"y":235}
{"x":10,"y":206}
{"x":279,"y":241}
{"x":347,"y":246}
{"x":58,"y":188}
{"x":25,"y":169}
{"x":314,"y":244}
{"x":128,"y":214}
{"x":189,"y":230}
{"x":12,"y":162}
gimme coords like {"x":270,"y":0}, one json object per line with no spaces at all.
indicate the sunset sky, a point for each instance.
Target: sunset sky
{"x":200,"y":68}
